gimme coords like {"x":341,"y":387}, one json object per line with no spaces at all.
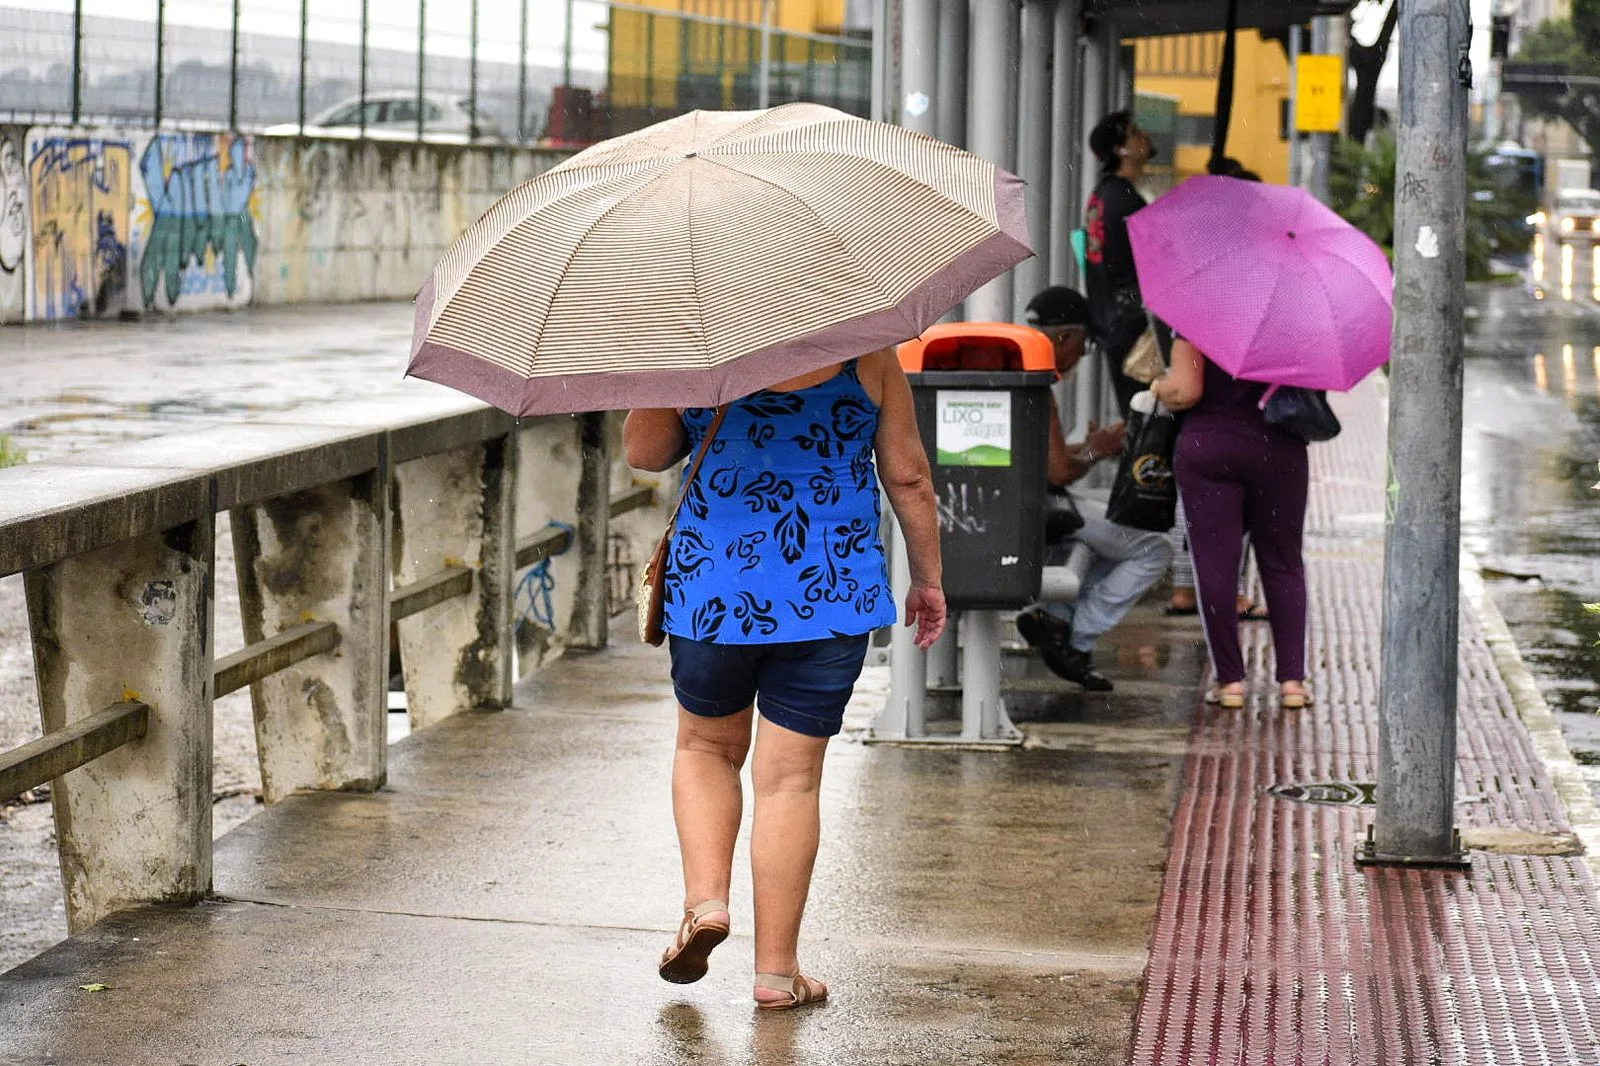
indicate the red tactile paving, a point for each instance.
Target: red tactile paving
{"x":1271,"y":946}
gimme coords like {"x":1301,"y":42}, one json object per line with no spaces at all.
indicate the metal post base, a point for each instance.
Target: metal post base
{"x":985,"y":725}
{"x":1367,"y":854}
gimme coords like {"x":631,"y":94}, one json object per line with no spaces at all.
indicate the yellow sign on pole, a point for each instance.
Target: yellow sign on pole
{"x":1319,"y":91}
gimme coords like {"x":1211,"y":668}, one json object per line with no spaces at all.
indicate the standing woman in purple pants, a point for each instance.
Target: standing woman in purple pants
{"x":1239,"y":475}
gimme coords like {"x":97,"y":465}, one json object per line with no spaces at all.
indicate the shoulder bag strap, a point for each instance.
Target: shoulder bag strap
{"x":694,"y":467}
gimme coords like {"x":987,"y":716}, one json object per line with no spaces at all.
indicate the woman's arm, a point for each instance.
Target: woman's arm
{"x":908,"y":481}
{"x":1182,"y":386}
{"x":654,"y":438}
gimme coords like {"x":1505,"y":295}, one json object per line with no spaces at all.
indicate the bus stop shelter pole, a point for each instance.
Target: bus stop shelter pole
{"x":1414,"y":823}
{"x":908,"y":664}
{"x":1033,"y":147}
{"x":1065,"y":159}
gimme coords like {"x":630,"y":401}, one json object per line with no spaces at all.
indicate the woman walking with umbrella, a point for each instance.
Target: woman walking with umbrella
{"x":1264,"y":287}
{"x":737,"y":281}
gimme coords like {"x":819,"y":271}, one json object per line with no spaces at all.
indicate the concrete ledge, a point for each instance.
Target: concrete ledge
{"x":63,"y":507}
{"x":51,"y":511}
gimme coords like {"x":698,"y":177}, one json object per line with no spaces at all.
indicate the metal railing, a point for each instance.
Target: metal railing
{"x":343,"y":527}
{"x":409,"y":70}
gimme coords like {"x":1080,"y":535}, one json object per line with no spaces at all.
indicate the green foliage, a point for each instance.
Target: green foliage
{"x":10,"y":454}
{"x":1362,"y":186}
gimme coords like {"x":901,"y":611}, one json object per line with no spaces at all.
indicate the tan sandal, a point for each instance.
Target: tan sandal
{"x":1226,"y":699}
{"x":1296,"y":701}
{"x":800,"y":989}
{"x":688,"y":959}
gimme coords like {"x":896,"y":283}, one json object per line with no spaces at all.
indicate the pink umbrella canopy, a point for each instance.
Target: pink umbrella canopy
{"x":1265,"y":280}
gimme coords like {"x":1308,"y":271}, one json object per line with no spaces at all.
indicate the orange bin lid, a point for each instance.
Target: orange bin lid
{"x":1025,"y":347}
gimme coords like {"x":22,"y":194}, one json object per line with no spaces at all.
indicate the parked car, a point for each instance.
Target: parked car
{"x":394,"y":115}
{"x":1576,"y":215}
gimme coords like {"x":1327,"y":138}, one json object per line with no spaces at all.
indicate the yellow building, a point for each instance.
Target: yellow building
{"x":1186,"y":67}
{"x":668,"y":56}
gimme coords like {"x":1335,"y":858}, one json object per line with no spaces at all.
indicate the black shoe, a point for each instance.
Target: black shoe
{"x":1077,"y":667}
{"x":1041,"y":629}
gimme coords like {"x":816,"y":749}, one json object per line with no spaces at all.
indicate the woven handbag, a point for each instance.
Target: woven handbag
{"x":651,"y":598}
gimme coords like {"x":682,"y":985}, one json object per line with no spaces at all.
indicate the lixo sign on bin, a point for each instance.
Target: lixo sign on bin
{"x":974,"y":428}
{"x":982,"y":392}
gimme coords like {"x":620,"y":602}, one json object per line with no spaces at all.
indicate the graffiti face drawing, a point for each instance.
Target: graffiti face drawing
{"x":13,"y":227}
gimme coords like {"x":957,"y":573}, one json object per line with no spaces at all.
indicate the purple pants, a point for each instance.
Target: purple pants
{"x":1236,"y":479}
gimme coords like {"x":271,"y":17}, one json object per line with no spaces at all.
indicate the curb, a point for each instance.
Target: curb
{"x":1583,"y":813}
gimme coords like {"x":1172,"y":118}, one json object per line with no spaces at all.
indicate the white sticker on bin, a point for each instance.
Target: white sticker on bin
{"x":974,"y":428}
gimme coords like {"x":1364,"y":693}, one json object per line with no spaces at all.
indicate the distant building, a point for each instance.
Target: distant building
{"x":1186,"y":67}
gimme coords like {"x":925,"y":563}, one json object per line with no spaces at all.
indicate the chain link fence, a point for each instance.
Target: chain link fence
{"x":562,"y":72}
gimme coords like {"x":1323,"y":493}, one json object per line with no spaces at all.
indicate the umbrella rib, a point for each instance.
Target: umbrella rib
{"x":578,"y":244}
{"x":822,"y":225}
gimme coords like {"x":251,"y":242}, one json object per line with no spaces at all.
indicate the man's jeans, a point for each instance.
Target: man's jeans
{"x":1127,"y":562}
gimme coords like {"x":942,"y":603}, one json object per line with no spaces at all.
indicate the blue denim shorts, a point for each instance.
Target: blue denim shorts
{"x":802,"y":686}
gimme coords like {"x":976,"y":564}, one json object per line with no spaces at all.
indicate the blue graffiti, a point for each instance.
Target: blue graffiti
{"x":80,"y":189}
{"x":199,"y":188}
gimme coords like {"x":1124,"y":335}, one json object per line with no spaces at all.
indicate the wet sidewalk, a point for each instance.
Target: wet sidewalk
{"x":504,"y":898}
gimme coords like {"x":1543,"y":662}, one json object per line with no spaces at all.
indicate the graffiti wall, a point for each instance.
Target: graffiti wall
{"x":79,"y":189}
{"x":194,"y":222}
{"x":101,"y":223}
{"x":13,"y":224}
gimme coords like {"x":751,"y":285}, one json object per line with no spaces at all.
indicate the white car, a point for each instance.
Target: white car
{"x":393,"y":115}
{"x":1576,"y":216}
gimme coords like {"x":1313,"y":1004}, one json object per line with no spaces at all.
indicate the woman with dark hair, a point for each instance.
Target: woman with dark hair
{"x":1116,"y":307}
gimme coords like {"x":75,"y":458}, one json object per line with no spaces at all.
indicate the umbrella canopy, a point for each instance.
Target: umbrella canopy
{"x":712,"y":255}
{"x":1266,"y":281}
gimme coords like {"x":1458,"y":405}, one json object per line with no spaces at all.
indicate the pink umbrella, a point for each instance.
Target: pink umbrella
{"x":1266,"y":281}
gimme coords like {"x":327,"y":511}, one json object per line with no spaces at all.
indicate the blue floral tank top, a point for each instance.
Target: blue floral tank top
{"x":778,"y":539}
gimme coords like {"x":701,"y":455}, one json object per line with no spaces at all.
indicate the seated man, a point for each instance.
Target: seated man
{"x":1126,"y":561}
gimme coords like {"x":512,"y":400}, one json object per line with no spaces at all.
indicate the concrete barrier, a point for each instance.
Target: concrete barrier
{"x":108,"y":221}
{"x":417,"y":505}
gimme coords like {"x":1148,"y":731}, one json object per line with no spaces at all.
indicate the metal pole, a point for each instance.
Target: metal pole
{"x":566,"y":60}
{"x":1065,"y":155}
{"x":1086,"y":383}
{"x":472,"y":76}
{"x":1033,"y":147}
{"x":522,"y":77}
{"x":763,"y":92}
{"x":919,"y":45}
{"x":919,"y":66}
{"x":161,"y":59}
{"x":233,"y":72}
{"x":650,"y":65}
{"x":1417,"y":699}
{"x":991,"y":132}
{"x":1321,"y":143}
{"x":1294,"y":105}
{"x":77,"y":62}
{"x":880,"y":67}
{"x":305,"y":26}
{"x":365,"y":25}
{"x":951,"y":83}
{"x":422,"y":65}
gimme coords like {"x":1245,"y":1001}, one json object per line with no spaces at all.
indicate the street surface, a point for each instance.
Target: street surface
{"x":1533,"y":436}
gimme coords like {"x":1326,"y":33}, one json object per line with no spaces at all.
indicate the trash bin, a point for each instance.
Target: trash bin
{"x":982,"y":393}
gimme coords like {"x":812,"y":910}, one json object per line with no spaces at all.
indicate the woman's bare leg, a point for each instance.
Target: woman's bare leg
{"x":707,"y":801}
{"x":783,"y":842}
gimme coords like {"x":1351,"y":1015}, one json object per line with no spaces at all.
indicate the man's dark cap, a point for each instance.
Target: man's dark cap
{"x":1058,"y":306}
{"x":1109,"y":134}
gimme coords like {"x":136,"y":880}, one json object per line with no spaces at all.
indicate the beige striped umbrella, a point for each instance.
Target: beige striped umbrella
{"x":712,"y":255}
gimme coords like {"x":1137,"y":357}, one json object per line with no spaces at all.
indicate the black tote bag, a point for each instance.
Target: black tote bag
{"x":1145,"y":492}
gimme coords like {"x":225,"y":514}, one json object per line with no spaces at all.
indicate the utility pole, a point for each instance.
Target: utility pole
{"x":1321,"y":143}
{"x":1414,"y":824}
{"x":1294,"y":104}
{"x":764,"y":90}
